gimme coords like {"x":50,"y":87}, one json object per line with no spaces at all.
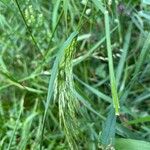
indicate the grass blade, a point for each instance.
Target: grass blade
{"x":99,"y":5}
{"x":120,"y":67}
{"x":95,"y":91}
{"x":111,"y":68}
{"x":129,"y":144}
{"x":108,"y":132}
{"x":139,"y":120}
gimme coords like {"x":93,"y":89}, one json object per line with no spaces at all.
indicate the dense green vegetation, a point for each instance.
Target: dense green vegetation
{"x":74,"y":74}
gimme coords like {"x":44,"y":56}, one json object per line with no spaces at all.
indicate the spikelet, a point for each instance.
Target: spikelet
{"x":68,"y":104}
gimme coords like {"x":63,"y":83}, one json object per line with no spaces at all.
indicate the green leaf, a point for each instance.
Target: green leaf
{"x":123,"y":57}
{"x":129,"y":144}
{"x":139,"y":120}
{"x":86,"y":103}
{"x":108,"y":132}
{"x":99,"y":5}
{"x":95,"y":91}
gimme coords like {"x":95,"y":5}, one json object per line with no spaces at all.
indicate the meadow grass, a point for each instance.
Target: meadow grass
{"x":74,"y":75}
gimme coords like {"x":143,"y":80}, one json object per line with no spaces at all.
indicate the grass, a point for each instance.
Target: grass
{"x":111,"y":68}
{"x":74,"y":75}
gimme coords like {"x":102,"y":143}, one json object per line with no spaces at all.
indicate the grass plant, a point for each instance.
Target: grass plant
{"x":74,"y":75}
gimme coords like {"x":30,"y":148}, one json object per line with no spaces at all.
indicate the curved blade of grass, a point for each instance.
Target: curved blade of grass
{"x":13,"y":81}
{"x":86,"y":103}
{"x":95,"y":91}
{"x":126,"y":132}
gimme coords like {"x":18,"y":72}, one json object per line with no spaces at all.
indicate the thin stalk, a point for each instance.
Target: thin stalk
{"x":111,"y":68}
{"x":28,"y":29}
